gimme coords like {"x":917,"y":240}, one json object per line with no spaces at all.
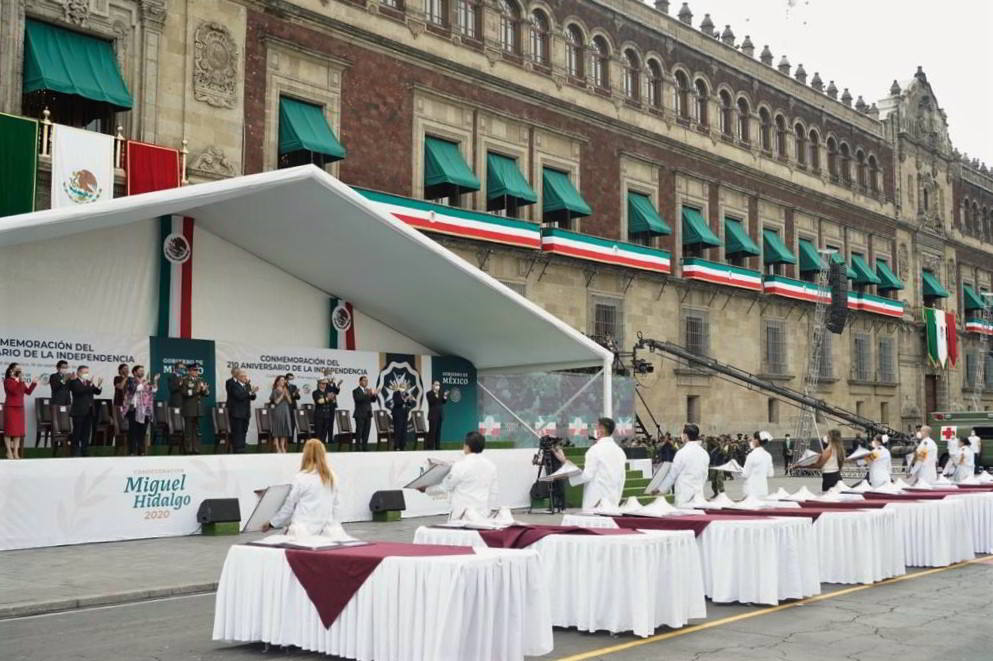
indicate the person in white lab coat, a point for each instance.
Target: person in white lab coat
{"x":472,"y":482}
{"x":951,"y":464}
{"x":976,"y":444}
{"x":758,"y":466}
{"x":309,"y":508}
{"x":965,"y":464}
{"x":689,"y":469}
{"x":603,"y":470}
{"x":925,"y":467}
{"x":880,"y":463}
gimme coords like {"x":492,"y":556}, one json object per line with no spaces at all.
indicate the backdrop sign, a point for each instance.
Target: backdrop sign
{"x":170,"y":355}
{"x":458,"y":379}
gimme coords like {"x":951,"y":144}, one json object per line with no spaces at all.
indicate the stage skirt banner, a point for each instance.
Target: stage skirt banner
{"x":49,"y":502}
{"x":38,"y":351}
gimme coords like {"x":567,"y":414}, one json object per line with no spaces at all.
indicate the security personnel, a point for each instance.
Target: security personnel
{"x":192,"y":390}
{"x":325,"y":404}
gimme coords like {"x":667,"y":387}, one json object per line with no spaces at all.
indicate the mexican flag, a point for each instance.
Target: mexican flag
{"x":942,"y":339}
{"x":82,"y":166}
{"x":18,"y":164}
{"x":175,"y":276}
{"x":341,"y":333}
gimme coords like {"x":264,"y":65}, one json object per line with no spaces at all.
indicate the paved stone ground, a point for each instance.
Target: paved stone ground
{"x":108,"y":595}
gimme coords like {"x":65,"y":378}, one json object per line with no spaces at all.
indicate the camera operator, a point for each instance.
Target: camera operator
{"x":550,"y":458}
{"x":603,"y":470}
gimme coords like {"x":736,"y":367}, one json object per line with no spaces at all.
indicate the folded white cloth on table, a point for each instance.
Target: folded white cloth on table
{"x":630,"y":505}
{"x":780,"y":494}
{"x":800,"y":495}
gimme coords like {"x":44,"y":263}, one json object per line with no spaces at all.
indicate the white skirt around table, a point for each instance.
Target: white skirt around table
{"x":488,"y":606}
{"x":979,"y":510}
{"x":615,"y":583}
{"x":760,"y":561}
{"x":936,"y":533}
{"x":859,"y":546}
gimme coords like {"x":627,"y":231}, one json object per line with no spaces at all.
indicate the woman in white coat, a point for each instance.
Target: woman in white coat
{"x":758,"y":467}
{"x":880,"y":463}
{"x":309,"y":509}
{"x":965,"y":465}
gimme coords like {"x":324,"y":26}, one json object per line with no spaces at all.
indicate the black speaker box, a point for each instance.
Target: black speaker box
{"x":837,"y":314}
{"x":219,"y":510}
{"x":384,"y":501}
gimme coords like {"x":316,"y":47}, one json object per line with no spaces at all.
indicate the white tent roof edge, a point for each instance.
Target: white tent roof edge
{"x":563,"y":346}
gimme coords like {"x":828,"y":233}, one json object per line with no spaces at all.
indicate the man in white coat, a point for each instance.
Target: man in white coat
{"x":472,"y":482}
{"x":976,"y":444}
{"x":758,"y":467}
{"x":689,"y":468}
{"x":925,"y":458}
{"x":603,"y":470}
{"x":880,"y":463}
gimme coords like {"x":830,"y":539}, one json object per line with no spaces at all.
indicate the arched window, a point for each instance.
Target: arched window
{"x":846,"y":163}
{"x":873,"y":175}
{"x":539,"y":37}
{"x":976,"y":219}
{"x":815,"y":150}
{"x":702,"y":101}
{"x":468,"y":18}
{"x":632,"y":75}
{"x":601,"y":63}
{"x":765,"y":129}
{"x":574,"y":51}
{"x":682,"y":95}
{"x":781,"y":137}
{"x":654,"y":84}
{"x":436,"y":11}
{"x":744,"y":117}
{"x":860,"y":173}
{"x":832,"y":150}
{"x":801,"y":143}
{"x":510,"y":27}
{"x":727,"y":110}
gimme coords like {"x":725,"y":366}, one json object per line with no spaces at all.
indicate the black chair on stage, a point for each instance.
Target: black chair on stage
{"x":103,"y":427}
{"x":263,"y":428}
{"x":121,"y":425}
{"x":61,"y":428}
{"x":42,"y":421}
{"x":346,"y":432}
{"x":222,"y":427}
{"x":160,"y":422}
{"x":309,"y":408}
{"x":174,"y":434}
{"x":384,"y":428}
{"x":419,"y":429}
{"x":1,"y":419}
{"x":305,"y":426}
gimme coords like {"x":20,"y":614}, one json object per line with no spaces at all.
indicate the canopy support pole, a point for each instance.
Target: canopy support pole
{"x":608,"y":387}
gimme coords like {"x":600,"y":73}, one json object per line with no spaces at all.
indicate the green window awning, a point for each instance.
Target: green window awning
{"x":643,"y":218}
{"x":559,"y":198}
{"x":887,"y":279}
{"x":836,"y":258}
{"x":776,"y":251}
{"x":445,"y":171}
{"x":809,"y":259}
{"x":736,"y":240}
{"x":973,"y":301}
{"x":302,"y":126}
{"x":863,"y":274}
{"x":61,"y":60}
{"x":504,"y":179}
{"x":932,"y":288}
{"x":696,"y":231}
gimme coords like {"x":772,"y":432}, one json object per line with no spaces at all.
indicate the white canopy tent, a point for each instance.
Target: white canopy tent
{"x":312,"y":226}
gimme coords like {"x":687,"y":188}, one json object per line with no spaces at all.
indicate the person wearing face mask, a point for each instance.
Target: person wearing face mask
{"x":193,"y":390}
{"x":240,"y":395}
{"x":965,"y":465}
{"x":294,"y":398}
{"x":976,"y":444}
{"x":400,"y":404}
{"x":325,"y":404}
{"x":688,"y":474}
{"x":59,"y":383}
{"x":15,"y":389}
{"x":831,"y":459}
{"x":880,"y":463}
{"x":925,"y":468}
{"x":139,"y":399}
{"x":83,"y":411}
{"x":120,"y":384}
{"x":436,"y":402}
{"x":363,"y":396}
{"x":758,"y":466}
{"x":603,"y":470}
{"x":472,"y":483}
{"x":175,"y":384}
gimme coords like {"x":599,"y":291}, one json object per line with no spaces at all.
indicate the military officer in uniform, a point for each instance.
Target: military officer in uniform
{"x":325,"y":404}
{"x":192,"y":390}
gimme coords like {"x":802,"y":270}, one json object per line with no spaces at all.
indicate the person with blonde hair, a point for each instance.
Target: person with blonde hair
{"x":310,"y":507}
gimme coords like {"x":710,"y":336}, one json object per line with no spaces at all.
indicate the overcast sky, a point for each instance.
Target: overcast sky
{"x":865,"y":44}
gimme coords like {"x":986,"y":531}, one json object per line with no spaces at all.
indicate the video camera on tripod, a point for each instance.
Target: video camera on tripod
{"x":547,"y":460}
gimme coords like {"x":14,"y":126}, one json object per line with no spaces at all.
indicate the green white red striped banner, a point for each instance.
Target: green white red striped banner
{"x":572,"y":244}
{"x":431,"y":217}
{"x":175,"y":276}
{"x":796,"y":289}
{"x":980,"y":326}
{"x":341,"y":332}
{"x":721,"y":274}
{"x":874,"y":304}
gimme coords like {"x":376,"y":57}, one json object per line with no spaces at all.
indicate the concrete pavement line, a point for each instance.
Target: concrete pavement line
{"x":93,"y":601}
{"x":613,"y":649}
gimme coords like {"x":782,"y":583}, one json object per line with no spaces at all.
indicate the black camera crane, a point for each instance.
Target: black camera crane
{"x":753,"y":382}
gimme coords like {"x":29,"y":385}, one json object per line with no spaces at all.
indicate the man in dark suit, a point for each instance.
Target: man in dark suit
{"x":401,"y":402}
{"x":363,"y":396}
{"x":325,"y":404}
{"x":241,"y":393}
{"x":83,"y":410}
{"x":294,"y":398}
{"x":59,"y":382}
{"x":175,"y":384}
{"x":436,"y":400}
{"x":192,"y":390}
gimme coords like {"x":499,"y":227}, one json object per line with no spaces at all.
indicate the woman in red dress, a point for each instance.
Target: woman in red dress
{"x":13,"y":418}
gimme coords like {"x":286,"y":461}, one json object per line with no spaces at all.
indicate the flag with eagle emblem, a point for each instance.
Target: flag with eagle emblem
{"x":176,"y":277}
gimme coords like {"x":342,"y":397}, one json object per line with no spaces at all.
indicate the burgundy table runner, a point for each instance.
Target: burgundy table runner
{"x":895,"y":497}
{"x":847,"y":505}
{"x":695,"y":522}
{"x":332,"y":577}
{"x":520,"y":537}
{"x":807,"y":512}
{"x":977,"y":487}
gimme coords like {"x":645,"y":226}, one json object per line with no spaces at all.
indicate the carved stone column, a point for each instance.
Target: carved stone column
{"x":153,"y":17}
